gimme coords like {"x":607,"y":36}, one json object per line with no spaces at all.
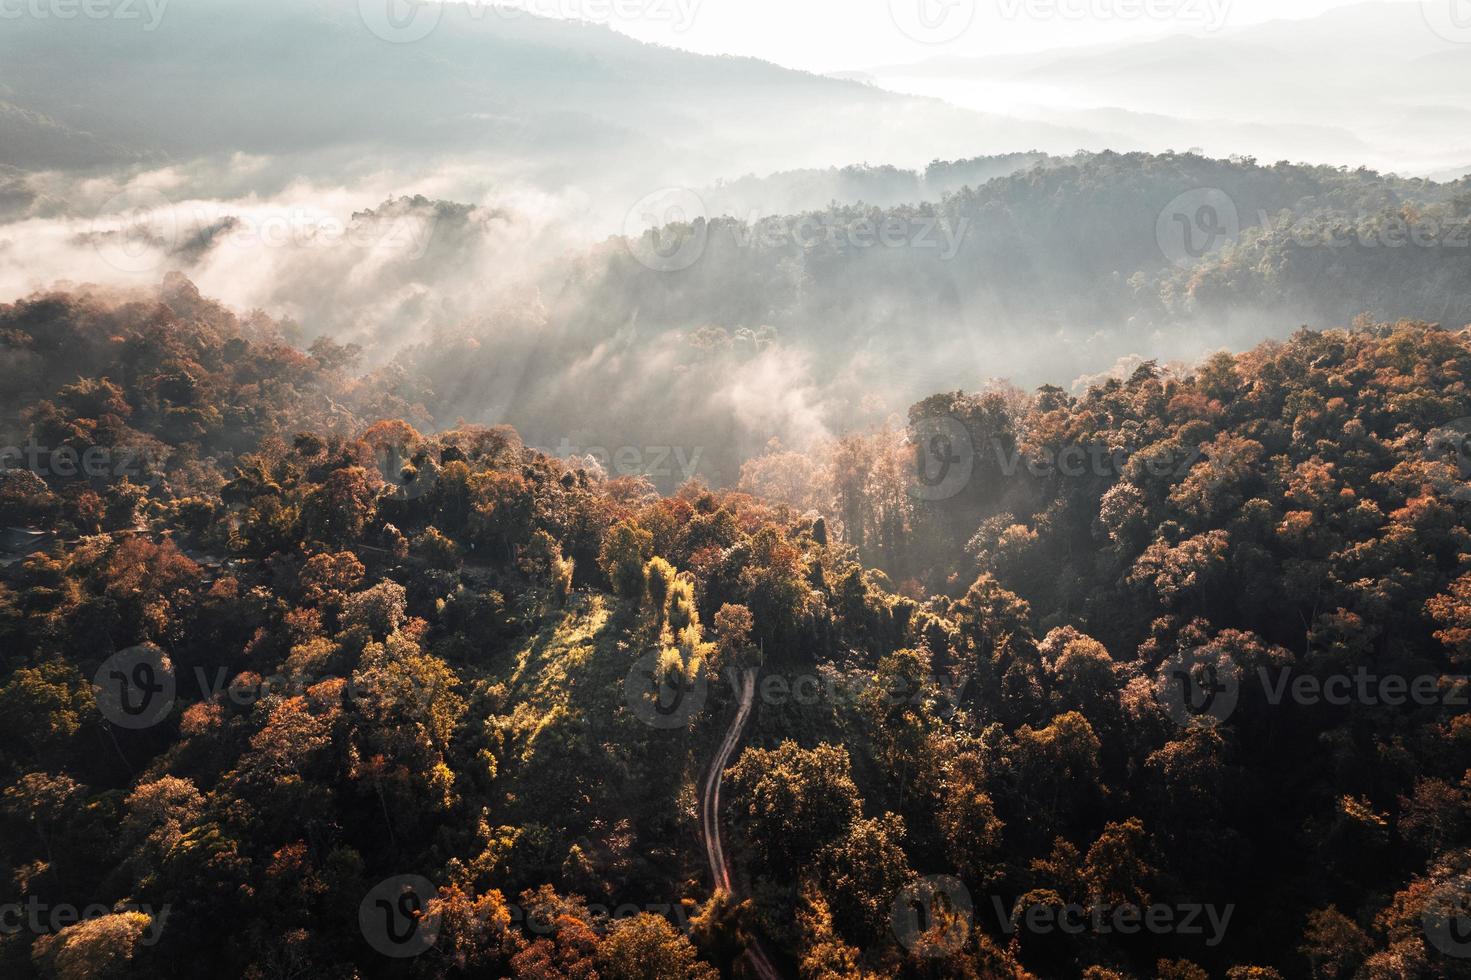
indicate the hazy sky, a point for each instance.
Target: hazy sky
{"x":830,"y":35}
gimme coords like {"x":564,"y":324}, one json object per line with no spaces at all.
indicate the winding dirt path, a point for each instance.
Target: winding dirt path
{"x":710,"y":812}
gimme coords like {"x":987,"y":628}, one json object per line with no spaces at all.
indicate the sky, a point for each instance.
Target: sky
{"x":845,"y":35}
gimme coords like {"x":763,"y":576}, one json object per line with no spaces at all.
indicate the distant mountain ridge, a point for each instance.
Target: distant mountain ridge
{"x":1371,"y":83}
{"x":547,"y":95}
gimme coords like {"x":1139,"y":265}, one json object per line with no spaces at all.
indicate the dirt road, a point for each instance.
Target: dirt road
{"x":710,"y":811}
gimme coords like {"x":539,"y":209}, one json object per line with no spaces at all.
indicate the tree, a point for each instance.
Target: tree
{"x":158,"y":812}
{"x":41,"y":707}
{"x":825,"y":956}
{"x":625,"y":551}
{"x":647,"y":947}
{"x":1082,"y":677}
{"x":1057,"y":766}
{"x":474,"y":934}
{"x":720,"y":929}
{"x":380,"y":610}
{"x":1180,"y":970}
{"x":97,"y":949}
{"x":1333,"y":944}
{"x":543,"y":558}
{"x":336,"y":511}
{"x":793,"y":801}
{"x":1452,"y":611}
{"x":861,"y":874}
{"x":659,"y":581}
{"x":1118,"y":868}
{"x":328,"y":577}
{"x":569,"y":953}
{"x":733,"y":625}
{"x":967,"y":819}
{"x":436,"y":550}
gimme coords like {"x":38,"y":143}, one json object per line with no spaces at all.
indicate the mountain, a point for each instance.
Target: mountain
{"x":32,"y":140}
{"x":1369,"y":84}
{"x":562,"y":101}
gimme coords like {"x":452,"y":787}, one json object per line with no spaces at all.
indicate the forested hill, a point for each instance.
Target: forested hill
{"x":716,"y":336}
{"x":1118,"y":241}
{"x":351,"y":680}
{"x":721,"y":334}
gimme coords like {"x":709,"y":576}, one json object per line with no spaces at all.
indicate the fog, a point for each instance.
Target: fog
{"x":610,"y":244}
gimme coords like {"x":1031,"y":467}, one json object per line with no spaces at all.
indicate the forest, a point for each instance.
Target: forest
{"x":813,"y":323}
{"x":1157,"y":679}
{"x":735,"y":490}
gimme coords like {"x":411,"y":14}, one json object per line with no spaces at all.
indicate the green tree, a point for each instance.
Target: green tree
{"x":793,"y":801}
{"x":625,"y":551}
{"x":647,"y":947}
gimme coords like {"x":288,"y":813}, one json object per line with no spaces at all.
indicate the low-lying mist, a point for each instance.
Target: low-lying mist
{"x":685,"y":348}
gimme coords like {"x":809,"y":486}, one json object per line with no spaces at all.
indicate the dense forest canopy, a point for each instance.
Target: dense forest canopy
{"x":396,"y":672}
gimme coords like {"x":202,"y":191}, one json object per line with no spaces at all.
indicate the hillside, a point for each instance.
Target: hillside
{"x":531,"y":98}
{"x":435,"y":675}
